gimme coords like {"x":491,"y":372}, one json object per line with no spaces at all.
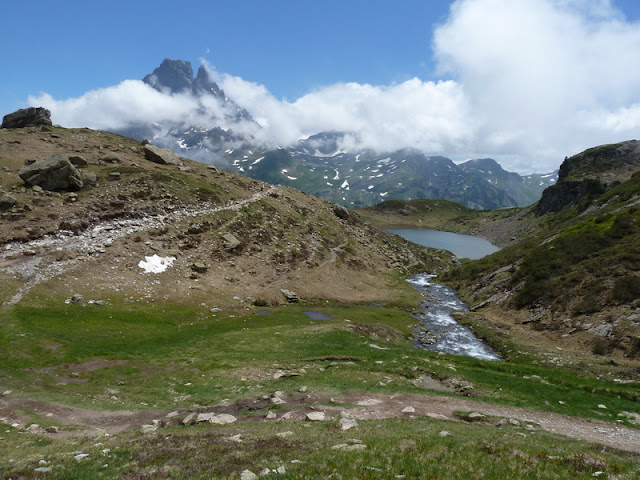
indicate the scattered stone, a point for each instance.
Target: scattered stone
{"x":408,"y":410}
{"x":115,"y":176}
{"x":190,"y":419}
{"x":271,"y":415}
{"x":281,"y":470}
{"x":230,"y":242}
{"x":235,"y":438}
{"x":52,"y":429}
{"x":436,"y":416}
{"x":475,"y":416}
{"x":43,"y":469}
{"x":163,"y":156}
{"x":199,"y":267}
{"x":248,"y":475}
{"x":37,"y":189}
{"x":7,"y":202}
{"x":369,"y":402}
{"x":217,"y":419}
{"x":172,"y":414}
{"x":277,"y":401}
{"x":604,"y":407}
{"x":291,"y":297}
{"x":350,"y":448}
{"x":81,"y":456}
{"x":7,"y":392}
{"x":53,"y":173}
{"x":75,"y":298}
{"x":444,"y":433}
{"x":78,"y":161}
{"x":347,"y":424}
{"x":27,"y":117}
{"x":288,"y":433}
{"x":89,"y":178}
{"x":148,"y":428}
{"x":282,"y":374}
{"x":34,"y":428}
{"x":315,"y":417}
{"x":514,"y":422}
{"x":111,"y":158}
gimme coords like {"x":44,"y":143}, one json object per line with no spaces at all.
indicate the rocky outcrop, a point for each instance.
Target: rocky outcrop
{"x":27,"y":117}
{"x":53,"y":173}
{"x":590,"y":173}
{"x":556,"y":197}
{"x":163,"y":156}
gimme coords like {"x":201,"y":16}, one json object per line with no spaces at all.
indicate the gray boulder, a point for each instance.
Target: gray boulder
{"x":78,"y":161}
{"x":53,"y":173}
{"x":89,"y":178}
{"x":27,"y":117}
{"x":7,"y":201}
{"x":163,"y":156}
{"x":230,"y":242}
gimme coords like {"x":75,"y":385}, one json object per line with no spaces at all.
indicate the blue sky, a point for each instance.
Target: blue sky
{"x":524,"y":81}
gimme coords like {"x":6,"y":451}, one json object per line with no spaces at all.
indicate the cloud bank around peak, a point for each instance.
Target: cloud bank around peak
{"x":526,"y":82}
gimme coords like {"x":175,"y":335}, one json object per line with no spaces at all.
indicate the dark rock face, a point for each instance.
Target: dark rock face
{"x":203,"y":84}
{"x":27,"y":117}
{"x":590,"y":173}
{"x":556,"y":197}
{"x":175,"y":75}
{"x":53,"y":173}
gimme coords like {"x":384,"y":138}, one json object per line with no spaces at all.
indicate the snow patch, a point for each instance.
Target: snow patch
{"x":156,"y":264}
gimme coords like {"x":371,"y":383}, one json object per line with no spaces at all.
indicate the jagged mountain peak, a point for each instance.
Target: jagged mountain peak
{"x":174,"y":75}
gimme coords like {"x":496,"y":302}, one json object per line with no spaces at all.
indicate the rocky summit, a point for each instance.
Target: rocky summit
{"x":27,"y":117}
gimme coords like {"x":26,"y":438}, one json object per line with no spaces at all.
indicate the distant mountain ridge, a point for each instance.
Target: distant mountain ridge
{"x":320,"y":165}
{"x":317,"y":165}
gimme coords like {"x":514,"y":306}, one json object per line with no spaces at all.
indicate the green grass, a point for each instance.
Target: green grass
{"x":177,"y":357}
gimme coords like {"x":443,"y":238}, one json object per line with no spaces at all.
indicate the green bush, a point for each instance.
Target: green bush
{"x":626,"y":289}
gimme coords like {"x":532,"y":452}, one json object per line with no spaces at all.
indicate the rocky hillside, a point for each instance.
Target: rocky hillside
{"x":574,"y":272}
{"x":96,"y":214}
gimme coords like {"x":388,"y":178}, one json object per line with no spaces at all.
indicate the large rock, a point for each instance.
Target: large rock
{"x":53,"y":173}
{"x":27,"y":117}
{"x":163,"y":156}
{"x":7,"y":201}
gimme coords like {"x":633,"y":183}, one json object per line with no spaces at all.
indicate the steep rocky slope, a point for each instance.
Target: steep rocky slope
{"x":234,"y":242}
{"x":573,"y":273}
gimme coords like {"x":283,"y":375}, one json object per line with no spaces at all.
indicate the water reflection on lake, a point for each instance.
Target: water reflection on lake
{"x":462,"y":246}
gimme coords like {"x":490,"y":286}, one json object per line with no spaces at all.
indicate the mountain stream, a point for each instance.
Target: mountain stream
{"x":438,"y":331}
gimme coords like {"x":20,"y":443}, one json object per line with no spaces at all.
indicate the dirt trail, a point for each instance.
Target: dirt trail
{"x":365,"y":407}
{"x":25,"y":259}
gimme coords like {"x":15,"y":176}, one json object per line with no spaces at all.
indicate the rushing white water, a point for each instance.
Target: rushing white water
{"x":438,"y":331}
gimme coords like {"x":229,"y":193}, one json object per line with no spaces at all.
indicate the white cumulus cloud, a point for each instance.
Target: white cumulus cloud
{"x":524,"y":81}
